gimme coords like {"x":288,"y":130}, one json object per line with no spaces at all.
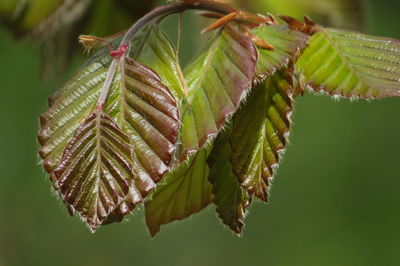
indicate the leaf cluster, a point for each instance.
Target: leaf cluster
{"x":133,"y":126}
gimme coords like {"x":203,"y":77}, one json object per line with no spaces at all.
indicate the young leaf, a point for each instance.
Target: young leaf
{"x":146,"y":109}
{"x":154,"y":49}
{"x":230,"y":197}
{"x":95,"y":174}
{"x":287,"y":43}
{"x":148,"y":112}
{"x":158,"y":53}
{"x":218,"y":80}
{"x":259,"y":133}
{"x":251,"y":148}
{"x":351,"y":64}
{"x":183,"y":192}
{"x":68,"y":108}
{"x":139,"y":103}
{"x":230,"y":49}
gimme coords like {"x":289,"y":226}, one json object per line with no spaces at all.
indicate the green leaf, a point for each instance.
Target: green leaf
{"x":95,"y":174}
{"x":183,"y":191}
{"x":218,"y":80}
{"x":159,"y":54}
{"x":230,"y":197}
{"x":245,"y":157}
{"x":288,"y":44}
{"x":351,"y":64}
{"x":139,"y":103}
{"x":259,"y":133}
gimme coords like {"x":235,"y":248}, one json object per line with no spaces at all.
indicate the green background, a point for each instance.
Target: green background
{"x":335,"y":201}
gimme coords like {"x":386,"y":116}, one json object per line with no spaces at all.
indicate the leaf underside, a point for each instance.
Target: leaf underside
{"x":183,"y":191}
{"x":229,"y":196}
{"x":246,"y":156}
{"x":351,"y":64}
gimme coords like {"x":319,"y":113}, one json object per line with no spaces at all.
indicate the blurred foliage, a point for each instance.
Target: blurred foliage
{"x":349,"y":14}
{"x":56,"y":24}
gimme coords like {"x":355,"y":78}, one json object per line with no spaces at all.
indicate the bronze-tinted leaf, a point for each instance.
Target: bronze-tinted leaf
{"x":147,"y":110}
{"x":68,"y":108}
{"x":142,"y":106}
{"x":95,"y":174}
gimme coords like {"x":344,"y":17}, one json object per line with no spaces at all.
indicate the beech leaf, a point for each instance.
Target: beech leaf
{"x":288,"y":45}
{"x":230,"y":197}
{"x":260,"y":130}
{"x":141,"y":105}
{"x":183,"y":192}
{"x":158,"y":53}
{"x":148,"y":112}
{"x":95,"y":174}
{"x":218,"y":80}
{"x":68,"y":108}
{"x":351,"y":64}
{"x":245,"y":157}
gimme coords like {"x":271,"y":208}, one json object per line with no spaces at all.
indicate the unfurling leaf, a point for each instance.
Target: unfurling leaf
{"x":351,"y":64}
{"x":95,"y":174}
{"x":183,"y":191}
{"x":250,"y":150}
{"x":218,"y":80}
